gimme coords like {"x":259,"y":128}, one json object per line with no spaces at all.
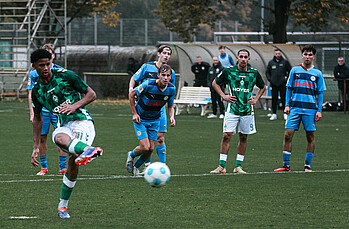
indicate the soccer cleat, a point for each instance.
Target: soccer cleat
{"x":62,"y":171}
{"x":212,"y":116}
{"x":273,"y":117}
{"x":136,"y":172}
{"x":284,"y":168}
{"x":218,"y":170}
{"x":89,"y":155}
{"x":62,"y":213}
{"x":129,"y":162}
{"x":42,"y":172}
{"x":307,"y":169}
{"x":239,"y":170}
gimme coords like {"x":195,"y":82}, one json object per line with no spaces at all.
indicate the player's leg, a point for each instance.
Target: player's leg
{"x":142,"y":136}
{"x":61,"y":155}
{"x":220,"y":104}
{"x":43,"y":142}
{"x":146,"y":147}
{"x":309,"y":124}
{"x":229,"y":129}
{"x":247,"y":126}
{"x":282,"y":97}
{"x":274,"y":101}
{"x":214,"y":104}
{"x":160,"y":144}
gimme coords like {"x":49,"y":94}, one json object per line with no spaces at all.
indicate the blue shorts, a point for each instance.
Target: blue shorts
{"x":294,"y":120}
{"x":147,"y":129}
{"x":48,"y":118}
{"x":163,"y":120}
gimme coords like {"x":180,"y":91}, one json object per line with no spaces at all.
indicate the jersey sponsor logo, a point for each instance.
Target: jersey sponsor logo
{"x":245,"y":90}
{"x":155,"y":103}
{"x":304,"y":84}
{"x":56,"y":109}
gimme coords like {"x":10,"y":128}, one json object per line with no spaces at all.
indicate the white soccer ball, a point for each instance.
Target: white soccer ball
{"x":157,"y":174}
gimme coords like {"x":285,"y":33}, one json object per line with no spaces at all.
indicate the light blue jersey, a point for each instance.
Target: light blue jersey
{"x":226,"y":60}
{"x":151,"y":99}
{"x":305,"y":85}
{"x":149,"y":71}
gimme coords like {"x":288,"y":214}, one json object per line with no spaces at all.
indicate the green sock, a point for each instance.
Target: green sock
{"x":239,"y":160}
{"x":238,"y":163}
{"x":222,"y":159}
{"x":222,"y":163}
{"x":67,"y":187}
{"x":76,"y":146}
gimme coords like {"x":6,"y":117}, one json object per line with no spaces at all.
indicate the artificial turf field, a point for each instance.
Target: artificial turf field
{"x":106,"y":196}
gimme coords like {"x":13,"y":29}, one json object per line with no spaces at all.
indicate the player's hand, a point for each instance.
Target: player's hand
{"x":252,"y":101}
{"x":34,"y":156}
{"x":31,"y":118}
{"x":287,"y":110}
{"x":173,"y":122}
{"x":318,"y":116}
{"x":230,"y":98}
{"x":67,"y":108}
{"x":136,"y":118}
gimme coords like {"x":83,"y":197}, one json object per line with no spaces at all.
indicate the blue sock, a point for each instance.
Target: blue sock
{"x":62,"y":162}
{"x":43,"y":161}
{"x":286,"y":157}
{"x":139,"y":162}
{"x":133,"y":155}
{"x":308,"y":158}
{"x":161,"y":151}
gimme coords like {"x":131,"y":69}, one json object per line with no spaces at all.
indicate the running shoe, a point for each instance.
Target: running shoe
{"x":62,"y":213}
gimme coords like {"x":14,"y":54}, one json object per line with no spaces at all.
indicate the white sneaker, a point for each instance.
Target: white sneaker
{"x":273,"y":117}
{"x":285,"y":116}
{"x":212,"y":116}
{"x":221,"y":116}
{"x":269,"y":115}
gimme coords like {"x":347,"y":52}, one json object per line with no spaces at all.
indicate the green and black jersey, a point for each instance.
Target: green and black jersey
{"x":240,"y":84}
{"x":64,"y":88}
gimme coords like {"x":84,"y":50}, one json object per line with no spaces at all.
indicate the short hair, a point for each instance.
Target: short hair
{"x":244,"y":50}
{"x":165,"y":68}
{"x":341,"y":57}
{"x":40,"y":54}
{"x":162,"y":47}
{"x":309,"y":48}
{"x":277,"y":49}
{"x":198,"y":57}
{"x":48,"y":47}
{"x":221,"y":47}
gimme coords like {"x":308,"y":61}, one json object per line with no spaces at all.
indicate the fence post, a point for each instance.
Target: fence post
{"x":146,"y":32}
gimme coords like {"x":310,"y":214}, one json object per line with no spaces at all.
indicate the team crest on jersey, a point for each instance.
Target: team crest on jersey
{"x":242,"y":82}
{"x":312,"y":78}
{"x":55,"y":98}
{"x":166,"y":98}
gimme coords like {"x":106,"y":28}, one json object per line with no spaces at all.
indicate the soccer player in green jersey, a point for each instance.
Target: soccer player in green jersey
{"x":240,"y":79}
{"x":59,"y":91}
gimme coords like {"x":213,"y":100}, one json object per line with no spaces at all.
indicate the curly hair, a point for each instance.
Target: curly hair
{"x":39,"y":54}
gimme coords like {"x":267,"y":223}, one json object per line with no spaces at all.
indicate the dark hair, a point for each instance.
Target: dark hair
{"x":221,"y":47}
{"x":277,"y":49}
{"x":39,"y":54}
{"x":48,"y":47}
{"x":244,"y":50}
{"x":309,"y":48}
{"x":165,"y":68}
{"x":162,"y":47}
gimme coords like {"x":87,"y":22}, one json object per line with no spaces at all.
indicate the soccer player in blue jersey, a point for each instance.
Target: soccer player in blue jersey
{"x":47,"y":118}
{"x":152,"y":95}
{"x":304,"y":98}
{"x":149,"y":71}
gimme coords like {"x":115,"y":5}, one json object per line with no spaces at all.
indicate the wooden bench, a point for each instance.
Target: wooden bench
{"x":193,"y":95}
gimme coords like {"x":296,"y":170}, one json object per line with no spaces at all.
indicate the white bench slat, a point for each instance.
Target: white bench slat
{"x":193,"y":95}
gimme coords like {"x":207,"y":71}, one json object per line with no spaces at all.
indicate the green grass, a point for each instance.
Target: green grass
{"x":106,"y":196}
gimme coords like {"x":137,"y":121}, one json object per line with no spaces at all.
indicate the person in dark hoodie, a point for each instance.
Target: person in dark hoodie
{"x":341,"y":71}
{"x":213,"y":71}
{"x":277,"y":74}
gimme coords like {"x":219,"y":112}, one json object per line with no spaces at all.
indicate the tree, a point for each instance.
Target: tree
{"x":185,"y":16}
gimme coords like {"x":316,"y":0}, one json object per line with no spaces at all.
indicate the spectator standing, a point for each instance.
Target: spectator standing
{"x":225,"y":59}
{"x":200,"y":69}
{"x":341,"y":71}
{"x":214,"y":70}
{"x":132,"y":66}
{"x":277,"y":74}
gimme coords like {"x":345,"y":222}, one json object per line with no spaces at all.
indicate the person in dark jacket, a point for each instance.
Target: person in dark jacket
{"x":341,"y":71}
{"x":277,"y":74}
{"x":200,"y":69}
{"x":214,"y":70}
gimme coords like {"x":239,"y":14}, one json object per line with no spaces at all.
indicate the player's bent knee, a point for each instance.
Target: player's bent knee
{"x":227,"y":136}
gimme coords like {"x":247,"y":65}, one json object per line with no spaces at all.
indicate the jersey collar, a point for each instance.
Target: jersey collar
{"x":305,"y":68}
{"x":157,"y":85}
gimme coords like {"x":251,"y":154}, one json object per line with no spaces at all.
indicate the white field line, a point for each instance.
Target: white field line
{"x":110,"y":177}
{"x":23,"y":217}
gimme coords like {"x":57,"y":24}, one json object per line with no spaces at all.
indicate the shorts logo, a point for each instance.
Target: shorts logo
{"x":312,"y":78}
{"x":139,"y":133}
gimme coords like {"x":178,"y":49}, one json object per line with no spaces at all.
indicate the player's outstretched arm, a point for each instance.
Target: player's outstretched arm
{"x":90,"y":95}
{"x":171,"y":115}
{"x":37,"y":125}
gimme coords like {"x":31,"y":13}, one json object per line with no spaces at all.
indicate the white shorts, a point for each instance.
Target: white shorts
{"x":246,"y":123}
{"x":83,"y":130}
